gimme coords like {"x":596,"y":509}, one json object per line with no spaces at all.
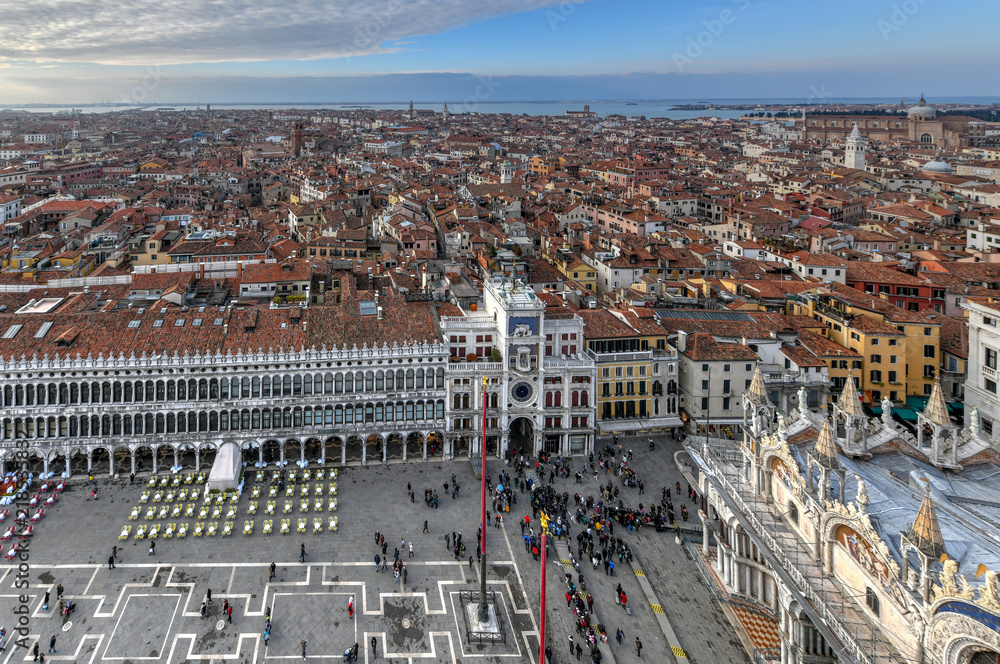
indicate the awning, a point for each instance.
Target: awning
{"x":606,"y":427}
{"x":907,"y":414}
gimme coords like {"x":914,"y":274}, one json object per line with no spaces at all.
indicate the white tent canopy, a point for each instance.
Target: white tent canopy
{"x":226,"y":468}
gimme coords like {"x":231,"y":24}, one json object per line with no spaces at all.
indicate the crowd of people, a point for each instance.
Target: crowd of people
{"x":594,"y":518}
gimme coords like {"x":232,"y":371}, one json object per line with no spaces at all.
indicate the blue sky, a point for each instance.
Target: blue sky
{"x":433,"y":50}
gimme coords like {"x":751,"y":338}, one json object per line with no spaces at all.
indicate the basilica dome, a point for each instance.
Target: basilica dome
{"x":922,"y":109}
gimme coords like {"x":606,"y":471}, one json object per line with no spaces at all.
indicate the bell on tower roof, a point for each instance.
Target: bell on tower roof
{"x":757,"y":392}
{"x":925,"y":532}
{"x":849,"y":402}
{"x":936,"y":410}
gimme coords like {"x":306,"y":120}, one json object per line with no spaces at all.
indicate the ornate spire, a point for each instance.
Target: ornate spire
{"x":925,"y":533}
{"x":826,"y":450}
{"x":936,"y":410}
{"x":850,"y":401}
{"x":757,"y":392}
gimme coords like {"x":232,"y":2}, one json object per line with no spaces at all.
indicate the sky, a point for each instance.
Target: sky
{"x":337,"y":51}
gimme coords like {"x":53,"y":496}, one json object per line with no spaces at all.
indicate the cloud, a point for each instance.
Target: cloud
{"x":192,"y":31}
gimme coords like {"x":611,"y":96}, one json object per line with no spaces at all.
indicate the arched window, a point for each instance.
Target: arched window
{"x":899,"y":125}
{"x":793,"y":513}
{"x":985,"y":657}
{"x":926,"y":138}
{"x":872,"y":601}
{"x":575,"y":399}
{"x":548,"y":400}
{"x":874,"y":125}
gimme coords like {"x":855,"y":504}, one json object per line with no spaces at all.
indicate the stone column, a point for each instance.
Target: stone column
{"x":260,"y":455}
{"x":197,"y":459}
{"x":385,"y":449}
{"x":90,"y":461}
{"x":364,"y":453}
{"x":177,"y":460}
{"x":132,"y":457}
{"x":67,"y":465}
{"x":281,"y":453}
{"x":302,"y":450}
{"x":735,"y":575}
{"x":154,"y":461}
{"x":704,"y":537}
{"x":45,"y":464}
{"x":425,"y":448}
{"x":111,"y":464}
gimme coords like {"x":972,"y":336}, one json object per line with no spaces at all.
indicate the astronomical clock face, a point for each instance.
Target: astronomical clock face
{"x":521,"y":392}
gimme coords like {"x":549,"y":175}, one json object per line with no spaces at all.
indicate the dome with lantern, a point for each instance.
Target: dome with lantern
{"x":922,"y":109}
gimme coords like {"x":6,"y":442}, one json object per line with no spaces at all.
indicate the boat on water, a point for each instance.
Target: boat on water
{"x":631,"y":103}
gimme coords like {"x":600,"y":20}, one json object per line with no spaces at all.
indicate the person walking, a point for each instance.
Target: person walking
{"x":45,"y":606}
{"x":374,"y":646}
{"x":619,"y":635}
{"x":548,"y":654}
{"x":52,"y":645}
{"x":411,"y":549}
{"x":302,"y":552}
{"x":270,"y":570}
{"x":350,"y":608}
{"x":571,"y":644}
{"x":152,"y":547}
{"x":378,"y":561}
{"x":579,"y":651}
{"x":114,"y":551}
{"x":229,"y":614}
{"x":34,"y":651}
{"x":638,"y":647}
{"x":303,"y":650}
{"x":425,"y":527}
{"x":111,"y":561}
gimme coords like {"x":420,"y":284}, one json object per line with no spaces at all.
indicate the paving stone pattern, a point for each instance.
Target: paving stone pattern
{"x":148,"y":608}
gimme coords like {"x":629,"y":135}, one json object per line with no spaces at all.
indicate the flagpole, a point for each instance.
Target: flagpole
{"x":484,"y":609}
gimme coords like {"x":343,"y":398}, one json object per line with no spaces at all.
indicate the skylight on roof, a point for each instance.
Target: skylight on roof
{"x":196,"y":322}
{"x":12,"y":331}
{"x":134,"y":323}
{"x":158,"y":322}
{"x":218,"y":321}
{"x":43,"y":330}
{"x":367,"y":308}
{"x":179,"y":322}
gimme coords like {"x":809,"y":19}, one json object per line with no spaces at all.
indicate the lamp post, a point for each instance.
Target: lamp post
{"x":484,"y":609}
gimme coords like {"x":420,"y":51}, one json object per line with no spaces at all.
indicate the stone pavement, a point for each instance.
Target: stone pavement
{"x":147,"y":609}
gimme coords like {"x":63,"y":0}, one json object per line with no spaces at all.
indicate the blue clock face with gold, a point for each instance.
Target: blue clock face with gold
{"x":521,"y":392}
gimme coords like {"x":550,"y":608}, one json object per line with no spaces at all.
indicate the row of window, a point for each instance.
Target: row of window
{"x":215,"y":389}
{"x":192,"y":422}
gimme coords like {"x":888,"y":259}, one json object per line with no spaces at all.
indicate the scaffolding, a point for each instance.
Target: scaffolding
{"x":829,"y":605}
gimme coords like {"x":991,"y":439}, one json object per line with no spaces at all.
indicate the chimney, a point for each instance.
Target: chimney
{"x":682,"y":338}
